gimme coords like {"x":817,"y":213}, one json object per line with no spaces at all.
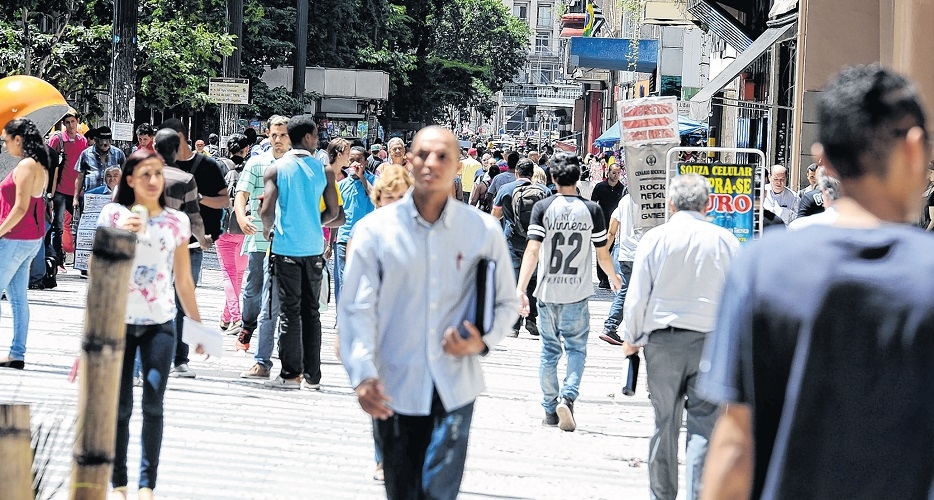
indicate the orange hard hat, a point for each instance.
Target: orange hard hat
{"x":24,"y":96}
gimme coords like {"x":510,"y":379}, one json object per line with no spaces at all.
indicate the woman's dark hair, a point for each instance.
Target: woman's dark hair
{"x":33,"y":145}
{"x":124,"y":194}
{"x":494,"y":170}
{"x":236,"y":142}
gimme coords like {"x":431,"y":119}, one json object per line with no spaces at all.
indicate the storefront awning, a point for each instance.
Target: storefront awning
{"x":613,"y":54}
{"x":686,"y":126}
{"x":756,"y":49}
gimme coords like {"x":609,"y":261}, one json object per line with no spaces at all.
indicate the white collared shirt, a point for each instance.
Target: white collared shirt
{"x":407,"y":281}
{"x":782,"y":204}
{"x":677,"y":277}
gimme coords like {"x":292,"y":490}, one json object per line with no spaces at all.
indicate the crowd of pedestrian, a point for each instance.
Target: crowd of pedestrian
{"x":784,"y":397}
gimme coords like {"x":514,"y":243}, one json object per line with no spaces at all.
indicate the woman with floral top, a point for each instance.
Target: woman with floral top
{"x":161,"y":258}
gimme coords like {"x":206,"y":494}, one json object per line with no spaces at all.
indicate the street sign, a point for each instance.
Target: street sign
{"x":229,"y":90}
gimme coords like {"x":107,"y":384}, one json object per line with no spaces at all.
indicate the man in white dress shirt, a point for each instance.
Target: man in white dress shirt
{"x":677,"y":278}
{"x":780,"y":200}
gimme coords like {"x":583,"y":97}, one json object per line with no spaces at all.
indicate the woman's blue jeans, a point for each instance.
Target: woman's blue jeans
{"x":15,"y":262}
{"x":156,"y":344}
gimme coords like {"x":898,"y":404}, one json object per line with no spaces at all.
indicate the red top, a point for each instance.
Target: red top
{"x":32,"y":225}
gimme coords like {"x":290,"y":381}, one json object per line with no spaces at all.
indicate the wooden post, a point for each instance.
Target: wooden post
{"x":15,"y":451}
{"x":101,"y":363}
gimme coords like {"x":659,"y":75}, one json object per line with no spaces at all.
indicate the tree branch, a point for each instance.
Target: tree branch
{"x":57,"y":38}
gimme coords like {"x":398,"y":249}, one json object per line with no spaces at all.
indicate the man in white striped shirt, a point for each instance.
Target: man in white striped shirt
{"x":672,"y":302}
{"x":559,"y":233}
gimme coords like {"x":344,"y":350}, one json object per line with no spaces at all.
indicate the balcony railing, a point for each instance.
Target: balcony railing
{"x":557,"y":92}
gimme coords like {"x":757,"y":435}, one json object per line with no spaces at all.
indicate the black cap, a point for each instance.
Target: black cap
{"x":104,"y":133}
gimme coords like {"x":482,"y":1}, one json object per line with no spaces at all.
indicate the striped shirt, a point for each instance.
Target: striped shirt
{"x":251,"y":182}
{"x":181,"y":193}
{"x":564,"y":224}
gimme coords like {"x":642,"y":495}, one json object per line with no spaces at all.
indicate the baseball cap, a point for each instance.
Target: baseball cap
{"x":71,"y":112}
{"x":375,"y":147}
{"x":104,"y":132}
{"x":472,"y":151}
{"x":812,"y":167}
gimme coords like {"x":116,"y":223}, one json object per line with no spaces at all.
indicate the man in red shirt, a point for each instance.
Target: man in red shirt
{"x":69,"y":143}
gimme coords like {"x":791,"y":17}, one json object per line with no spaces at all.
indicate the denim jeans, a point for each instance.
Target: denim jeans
{"x":60,"y":203}
{"x":672,"y":357}
{"x":533,"y":282}
{"x":266,"y":321}
{"x":17,"y":258}
{"x":572,"y":323}
{"x":299,"y":319}
{"x":181,"y":348}
{"x":340,"y":258}
{"x":233,"y":264}
{"x":615,"y":317}
{"x":423,"y":457}
{"x":253,"y":283}
{"x":155,"y":344}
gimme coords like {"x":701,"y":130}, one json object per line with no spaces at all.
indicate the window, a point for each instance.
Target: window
{"x":544,"y":74}
{"x":544,"y":19}
{"x":543,"y":42}
{"x":521,"y":10}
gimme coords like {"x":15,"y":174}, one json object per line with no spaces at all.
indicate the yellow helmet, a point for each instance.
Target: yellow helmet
{"x":24,"y":96}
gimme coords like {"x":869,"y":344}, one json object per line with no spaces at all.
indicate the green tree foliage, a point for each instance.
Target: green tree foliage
{"x":181,"y":46}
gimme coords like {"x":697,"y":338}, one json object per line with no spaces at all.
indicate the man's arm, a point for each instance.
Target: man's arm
{"x":358,"y":323}
{"x":728,"y":471}
{"x":270,"y":196}
{"x":605,"y":261}
{"x":611,"y":232}
{"x":245,"y":221}
{"x":332,"y":209}
{"x":220,"y":202}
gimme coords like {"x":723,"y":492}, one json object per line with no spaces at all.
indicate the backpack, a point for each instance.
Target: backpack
{"x":524,"y":198}
{"x":486,"y":202}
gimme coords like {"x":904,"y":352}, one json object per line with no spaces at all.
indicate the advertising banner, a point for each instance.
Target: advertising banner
{"x":649,"y":120}
{"x":87,"y":228}
{"x":731,"y":195}
{"x":645,"y":169}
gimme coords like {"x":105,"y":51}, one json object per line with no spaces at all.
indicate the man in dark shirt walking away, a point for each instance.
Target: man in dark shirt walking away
{"x":607,"y":194}
{"x":827,"y":391}
{"x":212,"y":191}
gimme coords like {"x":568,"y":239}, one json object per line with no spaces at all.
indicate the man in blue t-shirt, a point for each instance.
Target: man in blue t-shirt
{"x":355,"y":190}
{"x":294,"y":226}
{"x":518,"y":238}
{"x":827,"y":392}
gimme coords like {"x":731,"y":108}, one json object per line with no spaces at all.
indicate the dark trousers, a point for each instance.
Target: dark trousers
{"x":60,"y":203}
{"x":181,"y":349}
{"x":299,"y":281}
{"x":155,"y":344}
{"x":423,"y":457}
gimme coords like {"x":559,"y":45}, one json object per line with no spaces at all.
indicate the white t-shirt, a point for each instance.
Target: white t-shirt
{"x":151,"y":298}
{"x":626,"y":238}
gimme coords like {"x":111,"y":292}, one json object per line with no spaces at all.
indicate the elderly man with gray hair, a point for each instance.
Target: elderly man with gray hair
{"x":677,"y":278}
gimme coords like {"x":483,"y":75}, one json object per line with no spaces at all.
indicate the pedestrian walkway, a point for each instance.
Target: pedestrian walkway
{"x":229,"y":438}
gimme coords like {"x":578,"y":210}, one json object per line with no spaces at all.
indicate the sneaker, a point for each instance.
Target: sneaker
{"x":182,"y":371}
{"x":378,"y":475}
{"x":604,"y":285}
{"x":256,"y":371}
{"x":224,"y":324}
{"x":565,"y":413}
{"x":515,"y":333}
{"x":551,"y":420}
{"x":235,"y":328}
{"x":309,"y":386}
{"x":284,"y":384}
{"x":138,"y":382}
{"x":611,"y":338}
{"x":532,"y":327}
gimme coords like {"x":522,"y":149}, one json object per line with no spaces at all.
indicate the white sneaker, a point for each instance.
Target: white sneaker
{"x":309,"y":386}
{"x":283,"y":384}
{"x":182,"y":371}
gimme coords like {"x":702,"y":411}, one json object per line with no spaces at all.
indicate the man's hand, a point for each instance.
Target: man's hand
{"x":77,"y":201}
{"x":524,"y":308}
{"x":616,"y":283}
{"x":629,"y":349}
{"x":246,"y":225}
{"x":206,"y":244}
{"x":455,"y":345}
{"x":327,"y":251}
{"x":373,"y":400}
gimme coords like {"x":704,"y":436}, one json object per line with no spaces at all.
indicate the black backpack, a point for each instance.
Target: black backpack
{"x":486,"y":201}
{"x":524,"y":198}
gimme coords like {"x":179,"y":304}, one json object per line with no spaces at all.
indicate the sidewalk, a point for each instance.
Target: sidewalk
{"x":229,"y":438}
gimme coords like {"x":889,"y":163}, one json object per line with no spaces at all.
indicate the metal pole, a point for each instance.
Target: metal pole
{"x":229,"y":113}
{"x":301,"y":49}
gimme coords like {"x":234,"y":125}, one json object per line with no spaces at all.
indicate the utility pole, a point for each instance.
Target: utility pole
{"x":301,"y":50}
{"x":123,"y":67}
{"x":230,"y":113}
